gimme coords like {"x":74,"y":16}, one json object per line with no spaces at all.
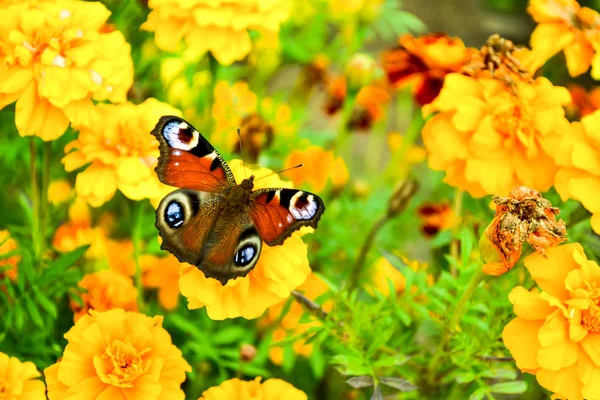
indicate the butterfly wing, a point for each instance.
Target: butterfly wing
{"x":187,"y":160}
{"x":277,"y":213}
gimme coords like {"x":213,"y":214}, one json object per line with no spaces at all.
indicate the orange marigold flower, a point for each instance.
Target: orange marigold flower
{"x":162,"y":274}
{"x":18,"y":380}
{"x":105,"y":290}
{"x":121,"y":153}
{"x":290,"y":324}
{"x":9,"y":261}
{"x":565,"y":25}
{"x":336,"y":94}
{"x":55,"y":58}
{"x":486,"y":136}
{"x":370,"y":107}
{"x":424,"y":62}
{"x":584,"y":102}
{"x":320,"y":166}
{"x":129,"y":356}
{"x":279,"y":270}
{"x":435,"y":217}
{"x":271,"y":389}
{"x":523,"y":215}
{"x":556,"y":334}
{"x":578,"y":155}
{"x":236,"y":106}
{"x":220,"y":26}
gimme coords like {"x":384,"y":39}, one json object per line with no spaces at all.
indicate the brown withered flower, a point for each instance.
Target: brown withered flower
{"x":256,"y":135}
{"x":435,"y":217}
{"x":522,"y":216}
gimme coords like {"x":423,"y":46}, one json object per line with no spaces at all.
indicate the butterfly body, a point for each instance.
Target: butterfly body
{"x":213,"y":222}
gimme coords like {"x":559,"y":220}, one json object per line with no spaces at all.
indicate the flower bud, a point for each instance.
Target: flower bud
{"x":247,"y":352}
{"x":401,"y":197}
{"x":360,"y":70}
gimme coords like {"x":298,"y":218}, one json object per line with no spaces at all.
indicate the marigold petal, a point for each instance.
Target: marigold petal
{"x":596,"y":222}
{"x":87,"y":389}
{"x":551,"y":270}
{"x":111,"y":393}
{"x":549,"y":39}
{"x":96,"y":184}
{"x":36,"y":116}
{"x":579,"y":56}
{"x":591,"y":346}
{"x":529,"y":305}
{"x":565,"y":382}
{"x":520,"y":337}
{"x":589,"y":375}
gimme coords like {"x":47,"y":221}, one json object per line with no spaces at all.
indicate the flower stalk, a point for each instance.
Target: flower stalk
{"x":137,"y":244}
{"x":455,"y":245}
{"x":35,"y":200}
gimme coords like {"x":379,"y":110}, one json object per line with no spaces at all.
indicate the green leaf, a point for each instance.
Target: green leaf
{"x":46,"y":304}
{"x":358,"y":382}
{"x":66,"y":260}
{"x":398,"y":383}
{"x":465,"y":377}
{"x":33,"y":312}
{"x":515,"y":387}
{"x":229,"y":335}
{"x":478,"y":394}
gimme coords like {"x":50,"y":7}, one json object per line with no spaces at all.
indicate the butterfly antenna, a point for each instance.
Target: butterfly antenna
{"x":278,"y":172}
{"x":242,"y":151}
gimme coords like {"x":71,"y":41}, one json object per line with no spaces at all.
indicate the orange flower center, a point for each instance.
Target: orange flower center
{"x":121,"y":364}
{"x":591,"y":316}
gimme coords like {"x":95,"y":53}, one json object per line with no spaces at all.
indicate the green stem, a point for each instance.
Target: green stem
{"x":137,"y":244}
{"x":35,"y":200}
{"x":47,"y":164}
{"x":364,"y":250}
{"x":455,"y":245}
{"x":408,"y":140}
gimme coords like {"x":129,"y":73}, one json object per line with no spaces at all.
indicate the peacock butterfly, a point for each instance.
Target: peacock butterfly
{"x":211,"y":221}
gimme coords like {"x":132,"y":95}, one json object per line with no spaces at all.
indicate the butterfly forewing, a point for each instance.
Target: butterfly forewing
{"x":187,"y":160}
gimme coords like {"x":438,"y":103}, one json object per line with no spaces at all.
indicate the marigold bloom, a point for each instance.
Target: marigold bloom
{"x":8,"y":263}
{"x":578,"y":176}
{"x":18,"y":380}
{"x":556,"y":335}
{"x":523,"y":215}
{"x":271,"y":389}
{"x":105,"y":290}
{"x":424,"y":62}
{"x":381,"y":272}
{"x":320,"y":166}
{"x":290,"y":324}
{"x":236,"y":106}
{"x":336,"y":94}
{"x":122,"y":153}
{"x":220,"y":26}
{"x":370,"y":107}
{"x":162,"y":274}
{"x":435,"y":217}
{"x":59,"y":191}
{"x":584,"y":102}
{"x":122,"y":355}
{"x":279,"y":270}
{"x":486,"y":137}
{"x":565,"y":25}
{"x":55,"y":58}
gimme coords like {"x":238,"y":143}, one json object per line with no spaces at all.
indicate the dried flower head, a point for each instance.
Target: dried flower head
{"x":522,"y":216}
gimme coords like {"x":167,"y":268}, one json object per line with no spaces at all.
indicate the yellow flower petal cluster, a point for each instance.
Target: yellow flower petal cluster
{"x":59,"y":191}
{"x":566,"y":26}
{"x":162,"y":274}
{"x":236,"y":106}
{"x":271,"y":389}
{"x":121,"y":153}
{"x":118,"y":355}
{"x":18,"y":380}
{"x":55,"y":58}
{"x":280,"y":269}
{"x":104,"y":291}
{"x":8,"y":261}
{"x":320,"y":167}
{"x":556,"y":334}
{"x":382,"y":272}
{"x":489,"y":138}
{"x":578,"y":157}
{"x":290,"y":324}
{"x":218,"y":26}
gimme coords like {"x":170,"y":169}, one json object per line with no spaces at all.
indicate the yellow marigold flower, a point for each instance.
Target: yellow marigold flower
{"x":381,"y":272}
{"x":279,"y":270}
{"x":578,"y":176}
{"x":236,"y":106}
{"x":121,"y":153}
{"x":8,"y":263}
{"x":290,"y":324}
{"x":370,"y":107}
{"x":17,"y":380}
{"x":565,"y":25}
{"x":119,"y":254}
{"x":366,"y":10}
{"x":105,"y":290}
{"x":55,"y":58}
{"x":218,"y":26}
{"x":271,"y":389}
{"x":487,"y":137}
{"x":320,"y":166}
{"x":59,"y":191}
{"x":162,"y":274}
{"x":118,"y":354}
{"x":556,"y":335}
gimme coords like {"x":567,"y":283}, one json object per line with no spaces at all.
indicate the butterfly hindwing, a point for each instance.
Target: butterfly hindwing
{"x":277,"y":213}
{"x":187,"y":160}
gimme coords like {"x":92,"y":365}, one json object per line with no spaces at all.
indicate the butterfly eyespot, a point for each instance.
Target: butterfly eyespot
{"x":245,"y":255}
{"x":174,"y":214}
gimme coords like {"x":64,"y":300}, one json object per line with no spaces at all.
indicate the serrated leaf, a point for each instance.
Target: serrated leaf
{"x":515,"y":387}
{"x":34,"y":313}
{"x":398,"y":383}
{"x":360,"y":381}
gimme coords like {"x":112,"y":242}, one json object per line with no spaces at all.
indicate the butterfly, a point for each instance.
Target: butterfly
{"x":213,"y":222}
